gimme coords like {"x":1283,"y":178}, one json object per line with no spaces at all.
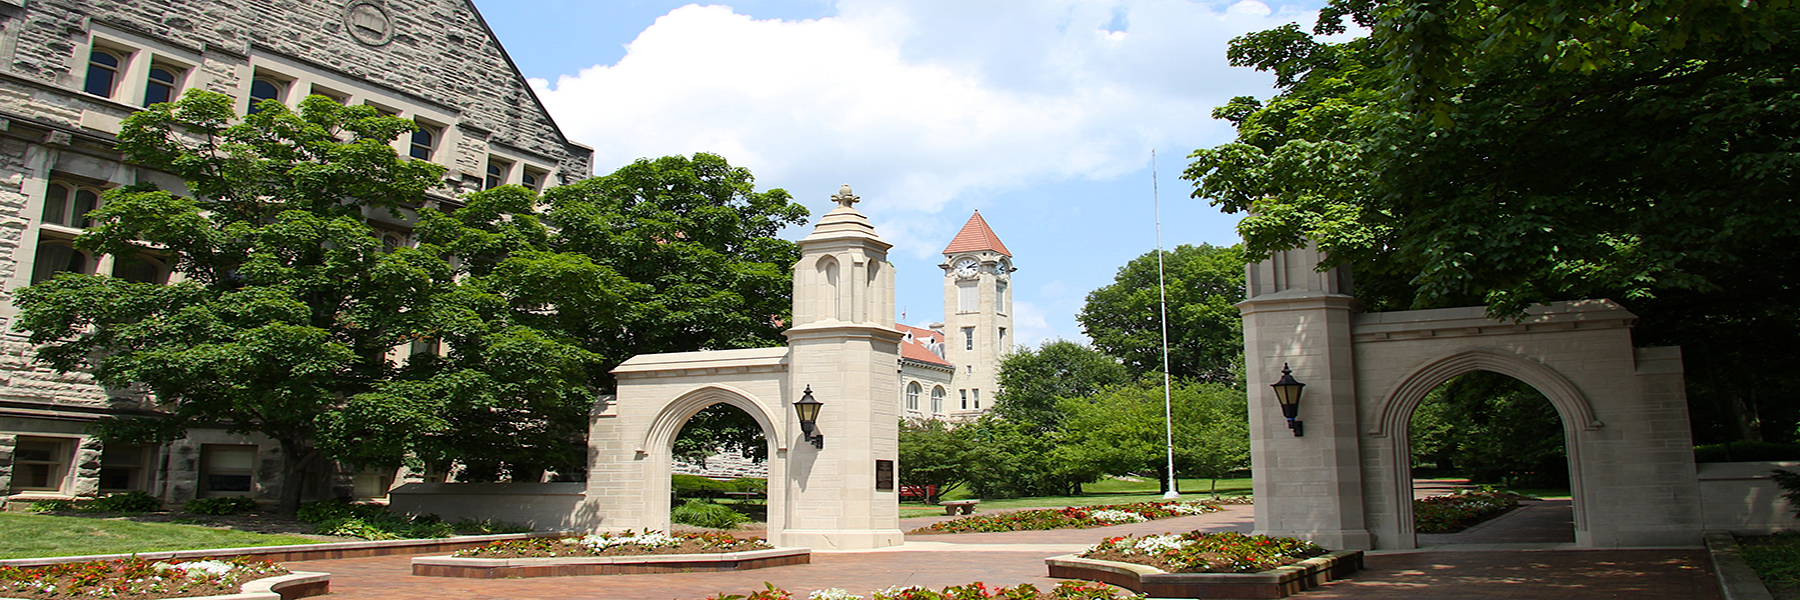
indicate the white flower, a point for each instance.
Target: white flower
{"x":1188,"y":508}
{"x":1117,"y":516}
{"x":204,"y":567}
{"x":651,"y":539}
{"x":1159,"y":543}
{"x":833,"y":594}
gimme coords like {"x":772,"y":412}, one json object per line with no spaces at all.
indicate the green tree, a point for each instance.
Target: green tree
{"x":1206,"y":338}
{"x":1507,"y":153}
{"x":932,"y":453}
{"x":718,"y":429}
{"x":1033,"y":381}
{"x":1492,"y":429}
{"x":1121,"y":431}
{"x":699,"y":239}
{"x":290,"y":304}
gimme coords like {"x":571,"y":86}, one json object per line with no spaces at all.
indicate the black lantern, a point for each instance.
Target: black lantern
{"x":1287,"y":392}
{"x":808,"y":407}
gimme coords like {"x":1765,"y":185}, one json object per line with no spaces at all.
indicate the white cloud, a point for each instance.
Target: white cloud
{"x":918,"y":103}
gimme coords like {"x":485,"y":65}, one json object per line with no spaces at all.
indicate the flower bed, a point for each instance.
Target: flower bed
{"x":610,"y":554}
{"x":1456,"y":512}
{"x":1074,"y":517}
{"x":1208,"y":565}
{"x":1197,"y":552}
{"x":1068,"y":590}
{"x":135,"y":578}
{"x":615,"y":544}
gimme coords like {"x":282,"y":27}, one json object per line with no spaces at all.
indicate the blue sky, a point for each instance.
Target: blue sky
{"x":1042,"y":114}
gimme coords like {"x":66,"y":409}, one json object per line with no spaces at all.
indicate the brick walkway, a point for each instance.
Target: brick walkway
{"x":1011,"y":558}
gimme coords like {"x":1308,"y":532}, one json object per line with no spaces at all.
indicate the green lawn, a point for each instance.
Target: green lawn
{"x":1111,"y":491}
{"x":30,"y":536}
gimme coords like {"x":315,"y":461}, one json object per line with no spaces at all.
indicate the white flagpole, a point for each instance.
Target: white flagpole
{"x":1162,"y":291}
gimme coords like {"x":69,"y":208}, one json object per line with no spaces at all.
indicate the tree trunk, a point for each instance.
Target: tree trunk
{"x":296,"y":456}
{"x":1744,"y":416}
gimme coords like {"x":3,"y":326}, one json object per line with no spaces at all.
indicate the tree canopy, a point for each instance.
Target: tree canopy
{"x":1120,"y":430}
{"x":1206,"y":338}
{"x":1033,"y":380}
{"x":484,"y":344}
{"x":1507,"y":152}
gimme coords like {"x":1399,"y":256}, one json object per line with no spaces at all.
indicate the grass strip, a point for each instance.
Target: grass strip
{"x":35,"y":536}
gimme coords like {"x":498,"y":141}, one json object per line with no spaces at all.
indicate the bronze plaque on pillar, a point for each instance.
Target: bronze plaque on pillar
{"x":884,"y":476}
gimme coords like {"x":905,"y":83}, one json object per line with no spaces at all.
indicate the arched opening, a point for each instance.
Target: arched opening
{"x":653,"y":489}
{"x":1488,"y":462}
{"x":720,"y":472}
{"x":828,"y":297}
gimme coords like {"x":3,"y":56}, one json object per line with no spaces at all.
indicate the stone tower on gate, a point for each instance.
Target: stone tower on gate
{"x":845,"y":348}
{"x":977,"y":313}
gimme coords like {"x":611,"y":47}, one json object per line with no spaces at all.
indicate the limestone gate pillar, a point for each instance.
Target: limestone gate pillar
{"x":1306,"y":486}
{"x":845,"y":347}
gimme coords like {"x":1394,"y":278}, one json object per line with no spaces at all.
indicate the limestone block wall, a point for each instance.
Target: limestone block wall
{"x":438,"y":51}
{"x":1739,"y":497}
{"x":541,"y":506}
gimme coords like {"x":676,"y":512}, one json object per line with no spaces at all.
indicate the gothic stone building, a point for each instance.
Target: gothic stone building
{"x":72,"y":70}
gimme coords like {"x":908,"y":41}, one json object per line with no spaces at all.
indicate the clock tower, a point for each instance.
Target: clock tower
{"x":977,"y":315}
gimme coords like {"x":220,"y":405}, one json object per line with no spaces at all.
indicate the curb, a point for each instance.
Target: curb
{"x":1737,"y":581}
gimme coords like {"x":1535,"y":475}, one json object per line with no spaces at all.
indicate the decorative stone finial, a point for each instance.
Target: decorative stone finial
{"x":844,"y":198}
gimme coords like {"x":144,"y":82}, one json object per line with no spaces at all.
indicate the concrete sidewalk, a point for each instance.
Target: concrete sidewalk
{"x":1010,"y":558}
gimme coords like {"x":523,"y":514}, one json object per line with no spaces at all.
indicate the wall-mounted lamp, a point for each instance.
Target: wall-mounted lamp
{"x":808,"y":407}
{"x":1287,"y":392}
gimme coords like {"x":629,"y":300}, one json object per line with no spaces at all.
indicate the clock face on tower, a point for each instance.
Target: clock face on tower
{"x":965,"y":267}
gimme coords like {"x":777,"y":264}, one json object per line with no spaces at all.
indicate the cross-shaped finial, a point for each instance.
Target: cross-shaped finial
{"x":844,"y":198}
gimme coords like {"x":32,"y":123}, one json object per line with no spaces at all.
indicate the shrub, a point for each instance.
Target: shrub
{"x":1789,"y":482}
{"x":219,"y":506}
{"x":374,"y":522}
{"x":44,"y":506}
{"x":1746,"y":452}
{"x":701,"y":513}
{"x":124,"y":502}
{"x":695,"y":486}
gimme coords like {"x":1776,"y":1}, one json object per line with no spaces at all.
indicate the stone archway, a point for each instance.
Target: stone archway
{"x":1346,"y":483}
{"x":1388,"y":434}
{"x":659,"y":443}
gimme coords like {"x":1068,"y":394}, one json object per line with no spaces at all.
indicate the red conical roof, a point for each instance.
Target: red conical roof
{"x":975,"y":237}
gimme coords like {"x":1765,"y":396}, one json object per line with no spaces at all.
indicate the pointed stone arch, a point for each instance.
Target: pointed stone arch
{"x":1390,"y":431}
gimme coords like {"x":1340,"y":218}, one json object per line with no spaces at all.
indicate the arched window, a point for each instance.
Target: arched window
{"x":390,"y":241}
{"x":532,"y":179}
{"x":937,"y":400}
{"x":264,"y":88}
{"x":102,"y":72}
{"x":68,"y":205}
{"x":496,"y":173}
{"x":161,"y":87}
{"x":912,"y":396}
{"x":56,"y":257}
{"x":141,"y":269}
{"x":424,"y":142}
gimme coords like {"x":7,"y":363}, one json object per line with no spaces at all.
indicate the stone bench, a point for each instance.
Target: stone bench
{"x":966,"y":506}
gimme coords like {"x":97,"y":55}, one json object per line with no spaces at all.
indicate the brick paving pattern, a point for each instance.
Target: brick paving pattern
{"x":1011,"y":558}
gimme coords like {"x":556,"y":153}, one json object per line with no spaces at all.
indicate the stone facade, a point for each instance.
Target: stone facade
{"x":434,"y":61}
{"x":1345,"y":483}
